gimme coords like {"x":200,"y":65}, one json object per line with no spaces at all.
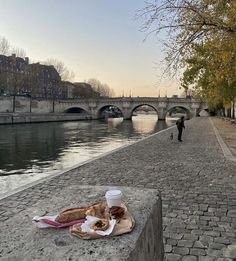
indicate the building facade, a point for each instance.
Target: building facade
{"x":77,"y":90}
{"x":18,"y":77}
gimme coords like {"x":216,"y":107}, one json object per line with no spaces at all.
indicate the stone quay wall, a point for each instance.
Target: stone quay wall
{"x":14,"y":118}
{"x":25,"y":105}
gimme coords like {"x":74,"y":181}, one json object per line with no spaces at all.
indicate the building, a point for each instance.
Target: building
{"x":83,"y":89}
{"x":77,"y":90}
{"x":18,"y":77}
{"x":44,"y":81}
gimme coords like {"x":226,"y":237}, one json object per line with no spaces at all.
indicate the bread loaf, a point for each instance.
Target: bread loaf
{"x":68,"y":215}
{"x":71,"y":215}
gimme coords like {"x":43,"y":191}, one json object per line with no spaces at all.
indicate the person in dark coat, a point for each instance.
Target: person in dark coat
{"x":180,"y":126}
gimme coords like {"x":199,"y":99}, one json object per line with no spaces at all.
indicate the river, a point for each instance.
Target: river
{"x":29,"y":152}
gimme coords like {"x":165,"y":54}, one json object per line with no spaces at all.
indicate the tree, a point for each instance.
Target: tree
{"x":185,"y":23}
{"x":102,"y":88}
{"x":16,"y":84}
{"x":4,"y":46}
{"x":211,"y":72}
{"x":63,"y":71}
{"x":200,"y":38}
{"x":19,"y":52}
{"x":7,"y":49}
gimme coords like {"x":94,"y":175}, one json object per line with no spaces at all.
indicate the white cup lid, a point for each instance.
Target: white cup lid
{"x":113,"y":193}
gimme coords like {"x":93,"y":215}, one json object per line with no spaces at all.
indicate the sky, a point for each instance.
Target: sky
{"x":98,"y":39}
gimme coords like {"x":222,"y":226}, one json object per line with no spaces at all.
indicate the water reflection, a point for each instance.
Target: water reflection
{"x":32,"y":151}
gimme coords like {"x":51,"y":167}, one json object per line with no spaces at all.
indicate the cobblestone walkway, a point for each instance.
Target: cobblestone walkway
{"x":197,"y":183}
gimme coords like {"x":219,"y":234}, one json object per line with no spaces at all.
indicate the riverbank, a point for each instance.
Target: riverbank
{"x":196,"y":181}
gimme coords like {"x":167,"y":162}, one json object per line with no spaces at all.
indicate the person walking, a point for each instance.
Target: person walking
{"x":180,"y":126}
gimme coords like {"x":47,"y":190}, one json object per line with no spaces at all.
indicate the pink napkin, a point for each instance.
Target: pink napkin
{"x":49,"y":221}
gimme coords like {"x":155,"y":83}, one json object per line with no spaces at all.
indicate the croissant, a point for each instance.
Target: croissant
{"x":97,"y":210}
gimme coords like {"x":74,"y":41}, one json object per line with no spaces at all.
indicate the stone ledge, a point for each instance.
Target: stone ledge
{"x":21,"y":240}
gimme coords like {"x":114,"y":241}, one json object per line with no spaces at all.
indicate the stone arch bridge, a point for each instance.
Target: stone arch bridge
{"x":94,"y":107}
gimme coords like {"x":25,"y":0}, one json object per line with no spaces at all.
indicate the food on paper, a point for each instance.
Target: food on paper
{"x":71,"y":214}
{"x":68,"y":215}
{"x":96,"y":210}
{"x":88,"y":230}
{"x":116,"y":212}
{"x":116,"y":227}
{"x":101,"y":224}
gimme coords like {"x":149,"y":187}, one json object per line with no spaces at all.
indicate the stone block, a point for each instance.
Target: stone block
{"x":197,"y":252}
{"x":189,"y":258}
{"x":230,"y":252}
{"x":181,"y":250}
{"x":26,"y":242}
{"x":185,"y":243}
{"x":172,"y":257}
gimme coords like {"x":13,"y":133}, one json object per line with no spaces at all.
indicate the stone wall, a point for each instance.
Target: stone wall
{"x":41,"y":106}
{"x":144,"y":243}
{"x":6,"y":104}
{"x":12,"y":118}
{"x":25,"y":104}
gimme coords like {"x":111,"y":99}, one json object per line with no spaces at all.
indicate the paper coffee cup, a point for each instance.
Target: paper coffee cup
{"x":113,"y":197}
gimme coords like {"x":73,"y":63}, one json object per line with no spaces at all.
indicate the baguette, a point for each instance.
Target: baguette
{"x":71,"y":214}
{"x":68,"y":215}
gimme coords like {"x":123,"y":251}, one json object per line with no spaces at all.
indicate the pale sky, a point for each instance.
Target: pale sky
{"x":94,"y":38}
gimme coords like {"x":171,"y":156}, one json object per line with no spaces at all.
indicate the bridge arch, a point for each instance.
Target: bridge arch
{"x":143,"y":104}
{"x":109,"y":110}
{"x":75,"y":109}
{"x":202,"y":112}
{"x":177,"y":110}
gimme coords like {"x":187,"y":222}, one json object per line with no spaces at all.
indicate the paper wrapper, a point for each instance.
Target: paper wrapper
{"x":123,"y":226}
{"x":85,"y":227}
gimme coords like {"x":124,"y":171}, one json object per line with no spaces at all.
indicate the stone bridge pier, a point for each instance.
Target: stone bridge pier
{"x":127,"y":114}
{"x":161,"y":114}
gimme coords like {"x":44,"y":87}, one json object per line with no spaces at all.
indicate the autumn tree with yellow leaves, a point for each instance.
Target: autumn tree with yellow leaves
{"x":199,"y":37}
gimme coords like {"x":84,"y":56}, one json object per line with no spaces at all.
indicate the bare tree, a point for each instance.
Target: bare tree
{"x":102,"y":88}
{"x":4,"y":46}
{"x":19,"y":52}
{"x":7,"y":49}
{"x":64,"y":72}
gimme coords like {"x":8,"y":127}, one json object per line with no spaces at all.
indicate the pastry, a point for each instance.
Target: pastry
{"x":71,"y":214}
{"x":101,"y":224}
{"x":116,"y":212}
{"x":68,"y":215}
{"x":96,"y":210}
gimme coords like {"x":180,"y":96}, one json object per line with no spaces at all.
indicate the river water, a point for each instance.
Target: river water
{"x":29,"y":152}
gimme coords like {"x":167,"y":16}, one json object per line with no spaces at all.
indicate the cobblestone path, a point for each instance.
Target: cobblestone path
{"x":197,"y":183}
